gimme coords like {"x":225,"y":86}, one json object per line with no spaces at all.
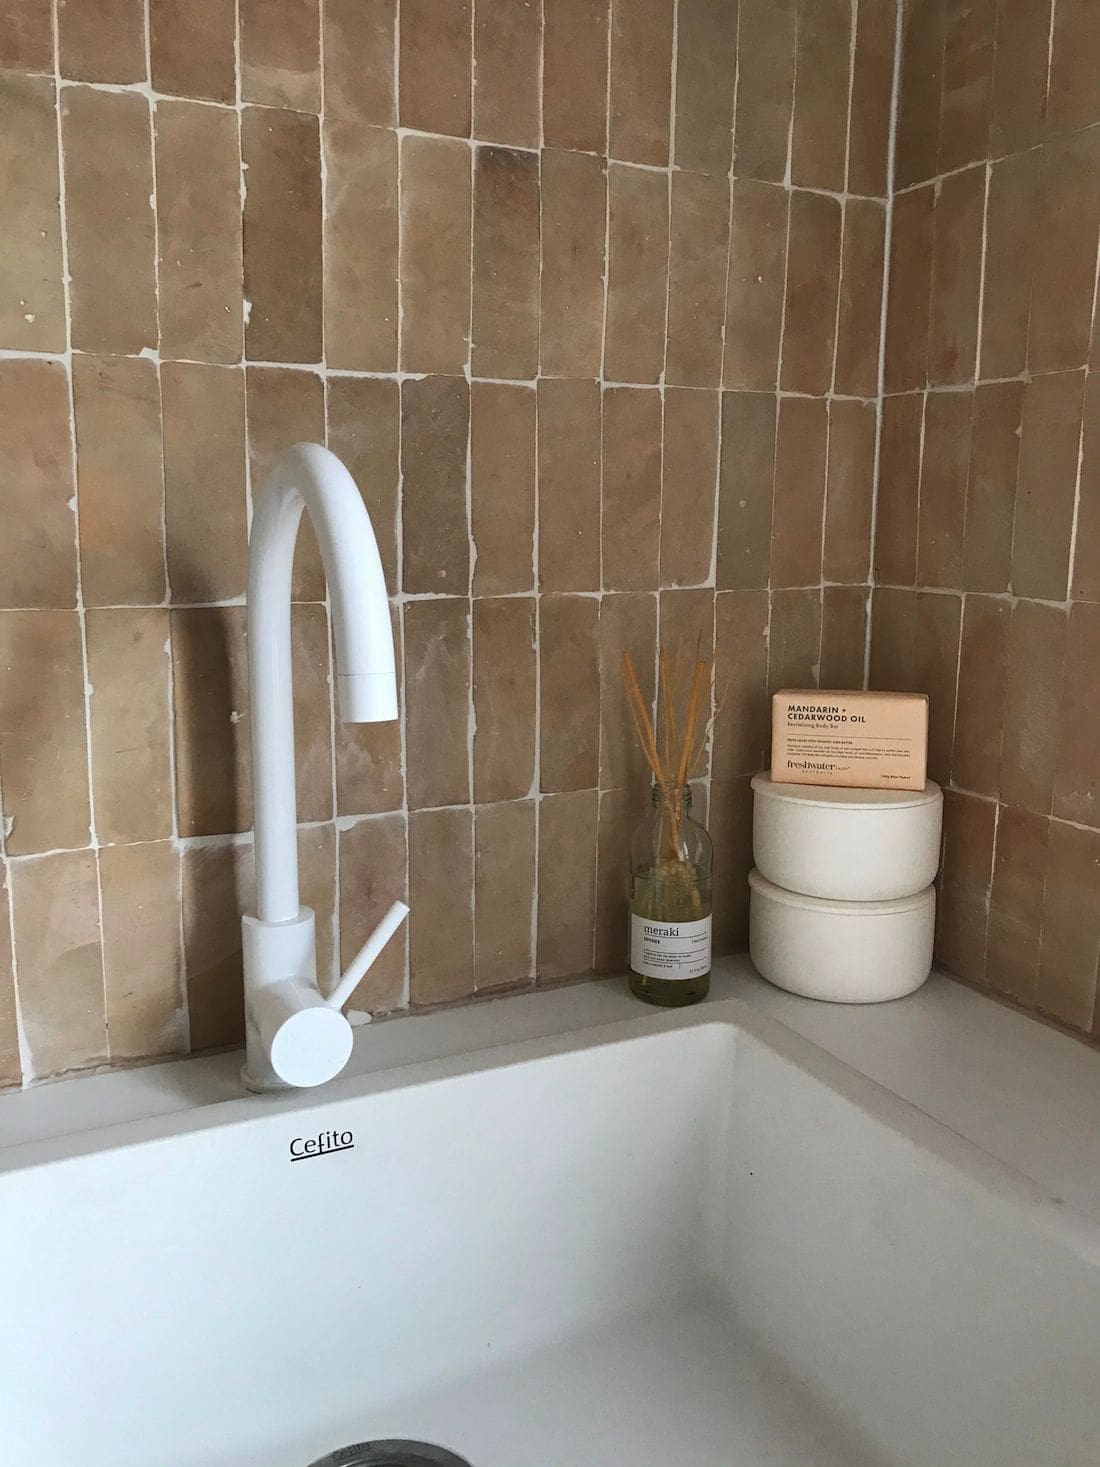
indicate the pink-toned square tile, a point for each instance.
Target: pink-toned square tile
{"x":1016,"y":904}
{"x":374,"y":864}
{"x":567,"y":884}
{"x":32,"y":300}
{"x":38,"y":549}
{"x":435,"y":51}
{"x":504,"y":692}
{"x":956,"y":276}
{"x":895,"y":558}
{"x":360,"y":292}
{"x":765,"y":96}
{"x":283,"y":209}
{"x":813,"y":280}
{"x":991,"y":487}
{"x":142,"y":950}
{"x":872,"y":88}
{"x":502,"y":487}
{"x":569,"y":456}
{"x":979,"y":721}
{"x":26,"y":35}
{"x":942,"y":513}
{"x":1020,"y":74}
{"x":129,"y":670}
{"x":574,"y":74}
{"x":640,"y":80}
{"x":846,"y":554}
{"x":698,"y":250}
{"x":574,"y":199}
{"x":218,"y":885}
{"x":1050,"y":443}
{"x":505,"y":310}
{"x":569,"y":692}
{"x":918,"y":120}
{"x":631,"y":488}
{"x":280,"y":44}
{"x":359,"y":51}
{"x":204,"y":480}
{"x":107,"y":156}
{"x":706,"y":65}
{"x":745,"y":490}
{"x":507,"y":65}
{"x":200,"y":267}
{"x":800,"y":473}
{"x":823,"y":58}
{"x":120,"y":474}
{"x":1071,"y":933}
{"x":504,"y":894}
{"x":968,"y":63}
{"x":435,"y":432}
{"x":210,"y":690}
{"x":689,"y":476}
{"x":193,"y":48}
{"x":628,"y":624}
{"x":435,"y":254}
{"x":962,"y":916}
{"x":43,"y":747}
{"x":437,"y":702}
{"x":1033,"y":686}
{"x":637,"y":275}
{"x":55,"y":911}
{"x":757,"y":279}
{"x":441,"y":887}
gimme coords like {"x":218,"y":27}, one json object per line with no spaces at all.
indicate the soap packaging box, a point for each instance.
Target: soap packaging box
{"x":874,"y":741}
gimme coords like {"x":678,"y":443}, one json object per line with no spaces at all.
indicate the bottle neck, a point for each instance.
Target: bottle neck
{"x":674,"y":797}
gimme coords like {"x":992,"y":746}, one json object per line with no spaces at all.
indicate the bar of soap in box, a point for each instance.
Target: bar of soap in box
{"x":871,"y":741}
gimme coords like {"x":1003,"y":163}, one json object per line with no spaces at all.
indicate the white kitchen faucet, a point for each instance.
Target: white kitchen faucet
{"x":296,"y":1036}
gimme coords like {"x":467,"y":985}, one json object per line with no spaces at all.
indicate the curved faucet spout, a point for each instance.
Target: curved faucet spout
{"x":294,"y":1035}
{"x":308,"y":477}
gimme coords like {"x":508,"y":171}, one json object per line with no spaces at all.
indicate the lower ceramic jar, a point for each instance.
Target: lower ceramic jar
{"x":845,"y":952}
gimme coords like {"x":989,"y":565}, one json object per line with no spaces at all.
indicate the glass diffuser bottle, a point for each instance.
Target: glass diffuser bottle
{"x":671,"y":857}
{"x":671,"y":854}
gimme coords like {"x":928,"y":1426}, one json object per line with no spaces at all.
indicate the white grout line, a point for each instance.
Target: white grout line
{"x":336,"y":966}
{"x":884,"y":310}
{"x":841,"y":255}
{"x":471,"y":712}
{"x":169,"y":646}
{"x":87,"y":691}
{"x":603,"y":384}
{"x":399,"y":510}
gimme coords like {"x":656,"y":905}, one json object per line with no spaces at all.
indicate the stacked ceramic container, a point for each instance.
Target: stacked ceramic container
{"x":842,"y":905}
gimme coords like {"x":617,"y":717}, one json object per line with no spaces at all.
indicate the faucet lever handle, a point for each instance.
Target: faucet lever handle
{"x":365,"y":957}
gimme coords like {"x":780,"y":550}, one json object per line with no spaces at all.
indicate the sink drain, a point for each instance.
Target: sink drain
{"x":391,"y":1454}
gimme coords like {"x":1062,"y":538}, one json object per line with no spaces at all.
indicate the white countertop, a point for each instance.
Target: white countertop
{"x":1022,"y":1092}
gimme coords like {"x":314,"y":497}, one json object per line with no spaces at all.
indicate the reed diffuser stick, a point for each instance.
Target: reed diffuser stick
{"x":675,"y":753}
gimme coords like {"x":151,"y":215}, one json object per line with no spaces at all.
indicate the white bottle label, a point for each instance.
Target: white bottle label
{"x":673,"y":950}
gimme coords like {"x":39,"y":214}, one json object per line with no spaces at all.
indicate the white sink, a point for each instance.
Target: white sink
{"x":677,"y":1241}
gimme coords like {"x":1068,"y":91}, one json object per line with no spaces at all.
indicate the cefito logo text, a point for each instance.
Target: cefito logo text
{"x":304,"y":1147}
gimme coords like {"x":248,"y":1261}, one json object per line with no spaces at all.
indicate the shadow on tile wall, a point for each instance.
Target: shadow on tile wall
{"x":987,"y":558}
{"x":602,"y":354}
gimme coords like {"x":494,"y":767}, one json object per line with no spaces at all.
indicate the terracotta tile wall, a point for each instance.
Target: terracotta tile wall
{"x":585,"y":292}
{"x":988,"y":544}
